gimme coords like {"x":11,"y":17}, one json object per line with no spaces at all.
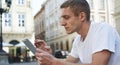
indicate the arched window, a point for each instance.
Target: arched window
{"x":67,"y":45}
{"x":61,"y":45}
{"x":57,"y":46}
{"x":14,"y":42}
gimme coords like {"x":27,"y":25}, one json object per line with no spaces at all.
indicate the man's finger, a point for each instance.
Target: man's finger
{"x":40,"y":43}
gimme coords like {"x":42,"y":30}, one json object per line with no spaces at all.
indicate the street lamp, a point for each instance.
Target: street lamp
{"x":3,"y":54}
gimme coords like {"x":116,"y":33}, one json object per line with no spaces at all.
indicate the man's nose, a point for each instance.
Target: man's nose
{"x":63,"y":23}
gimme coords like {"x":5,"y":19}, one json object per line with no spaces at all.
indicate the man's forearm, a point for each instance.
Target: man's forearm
{"x":62,"y":62}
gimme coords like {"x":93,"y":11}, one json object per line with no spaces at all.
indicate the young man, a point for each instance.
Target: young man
{"x":96,"y":44}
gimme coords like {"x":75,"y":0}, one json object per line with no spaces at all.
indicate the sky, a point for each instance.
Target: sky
{"x":36,"y":5}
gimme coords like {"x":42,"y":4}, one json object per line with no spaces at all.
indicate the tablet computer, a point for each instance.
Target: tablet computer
{"x":30,"y":45}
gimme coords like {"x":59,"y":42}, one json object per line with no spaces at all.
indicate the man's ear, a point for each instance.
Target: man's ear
{"x":82,"y":16}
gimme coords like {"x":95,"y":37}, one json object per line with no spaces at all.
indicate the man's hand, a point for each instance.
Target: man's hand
{"x":45,"y":58}
{"x":41,"y":44}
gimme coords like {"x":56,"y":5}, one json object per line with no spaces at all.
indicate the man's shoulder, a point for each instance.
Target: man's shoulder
{"x":101,"y":26}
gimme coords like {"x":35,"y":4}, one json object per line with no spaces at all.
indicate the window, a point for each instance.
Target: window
{"x":67,"y":45}
{"x":21,"y":2}
{"x":57,"y":46}
{"x":61,"y":44}
{"x":92,"y":18}
{"x":102,"y":18}
{"x":91,"y":4}
{"x":101,"y":4}
{"x":21,"y":20}
{"x":28,"y":4}
{"x":7,"y":19}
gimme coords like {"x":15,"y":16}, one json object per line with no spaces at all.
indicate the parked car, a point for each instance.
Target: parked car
{"x":61,"y":54}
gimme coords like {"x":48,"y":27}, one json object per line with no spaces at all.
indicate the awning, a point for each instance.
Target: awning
{"x":20,"y":44}
{"x":7,"y":44}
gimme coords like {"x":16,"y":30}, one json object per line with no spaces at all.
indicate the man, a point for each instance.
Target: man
{"x":96,"y":44}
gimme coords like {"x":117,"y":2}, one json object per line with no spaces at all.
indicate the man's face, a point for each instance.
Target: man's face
{"x":70,"y":22}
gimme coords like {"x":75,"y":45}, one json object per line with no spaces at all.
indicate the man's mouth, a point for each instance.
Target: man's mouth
{"x":66,"y":28}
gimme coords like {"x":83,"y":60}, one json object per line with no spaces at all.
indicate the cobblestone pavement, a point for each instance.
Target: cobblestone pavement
{"x":25,"y":63}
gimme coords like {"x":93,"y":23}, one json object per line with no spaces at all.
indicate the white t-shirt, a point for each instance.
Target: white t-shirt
{"x":101,"y":36}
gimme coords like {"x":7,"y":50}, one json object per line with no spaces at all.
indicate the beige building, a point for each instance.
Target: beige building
{"x":102,"y":11}
{"x":55,"y":35}
{"x":39,"y":20}
{"x":17,"y":25}
{"x":117,"y":15}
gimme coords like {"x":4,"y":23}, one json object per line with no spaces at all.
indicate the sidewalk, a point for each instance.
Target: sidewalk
{"x":25,"y":63}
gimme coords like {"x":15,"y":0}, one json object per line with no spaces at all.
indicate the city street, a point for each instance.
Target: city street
{"x":26,"y":63}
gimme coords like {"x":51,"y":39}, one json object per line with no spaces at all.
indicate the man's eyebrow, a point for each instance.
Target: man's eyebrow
{"x":63,"y":15}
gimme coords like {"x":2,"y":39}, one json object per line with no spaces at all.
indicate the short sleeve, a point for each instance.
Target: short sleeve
{"x":104,"y":39}
{"x":74,"y":50}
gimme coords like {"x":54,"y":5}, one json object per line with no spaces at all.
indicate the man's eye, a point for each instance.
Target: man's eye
{"x":66,"y":17}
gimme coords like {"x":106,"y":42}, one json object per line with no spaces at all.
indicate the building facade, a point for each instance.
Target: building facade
{"x":55,"y":35}
{"x":117,"y":15}
{"x":17,"y":25}
{"x":39,"y":20}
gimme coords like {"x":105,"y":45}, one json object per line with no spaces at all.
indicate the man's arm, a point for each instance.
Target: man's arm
{"x":98,"y":58}
{"x":72,"y":59}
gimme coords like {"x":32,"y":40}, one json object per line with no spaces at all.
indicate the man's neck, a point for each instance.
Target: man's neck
{"x":84,"y":30}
